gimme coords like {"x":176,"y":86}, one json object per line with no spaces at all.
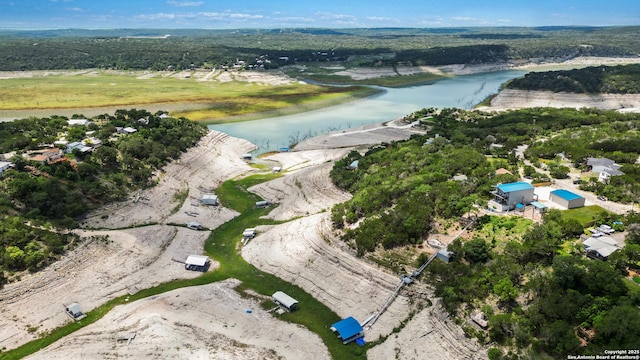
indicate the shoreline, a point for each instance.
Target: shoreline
{"x":357,"y":74}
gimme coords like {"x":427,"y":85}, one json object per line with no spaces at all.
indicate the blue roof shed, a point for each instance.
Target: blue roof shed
{"x":348,"y":329}
{"x":566,"y":194}
{"x":566,"y":198}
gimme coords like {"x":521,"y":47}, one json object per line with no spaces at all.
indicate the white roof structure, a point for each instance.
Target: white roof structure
{"x":249,"y":232}
{"x":73,"y":122}
{"x":197,"y":260}
{"x":284,"y":300}
{"x":603,"y":245}
{"x":210,"y":199}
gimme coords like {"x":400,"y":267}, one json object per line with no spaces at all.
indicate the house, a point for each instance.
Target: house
{"x":47,"y":156}
{"x":78,"y":122}
{"x":276,"y":169}
{"x":600,"y":247}
{"x":4,"y":166}
{"x":92,"y":142}
{"x":285,"y":301}
{"x":209,"y":199}
{"x":75,"y":312}
{"x":606,"y":168}
{"x":197,"y":263}
{"x":348,"y":330}
{"x":76,"y":145}
{"x":354,"y":165}
{"x":566,"y":198}
{"x":128,"y":130}
{"x":506,"y":196}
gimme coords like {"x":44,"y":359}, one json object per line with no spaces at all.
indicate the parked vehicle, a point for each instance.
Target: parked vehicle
{"x":602,"y":198}
{"x":595,"y":232}
{"x":605,"y":229}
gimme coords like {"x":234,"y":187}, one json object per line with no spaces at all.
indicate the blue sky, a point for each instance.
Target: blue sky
{"x":229,"y":14}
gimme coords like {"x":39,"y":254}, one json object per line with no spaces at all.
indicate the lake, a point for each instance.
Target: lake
{"x":461,"y":92}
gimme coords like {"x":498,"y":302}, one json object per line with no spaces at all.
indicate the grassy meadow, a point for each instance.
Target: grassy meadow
{"x":208,"y":101}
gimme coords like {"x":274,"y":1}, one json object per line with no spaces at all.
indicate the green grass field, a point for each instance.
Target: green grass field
{"x":585,"y":214}
{"x":214,"y":99}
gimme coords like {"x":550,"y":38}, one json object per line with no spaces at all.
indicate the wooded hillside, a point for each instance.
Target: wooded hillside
{"x":185,"y":49}
{"x":41,"y":195}
{"x":591,"y":80}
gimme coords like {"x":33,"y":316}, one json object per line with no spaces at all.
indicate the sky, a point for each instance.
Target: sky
{"x":273,"y":14}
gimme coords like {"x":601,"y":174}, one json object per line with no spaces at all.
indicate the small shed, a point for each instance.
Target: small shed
{"x":75,"y":312}
{"x":263,"y":204}
{"x":354,"y":165}
{"x":197,"y":263}
{"x":285,"y":301}
{"x":348,"y":330}
{"x":277,"y":169}
{"x":540,"y":207}
{"x":566,"y":199}
{"x":210,"y":199}
{"x":444,"y":255}
{"x":249,"y":233}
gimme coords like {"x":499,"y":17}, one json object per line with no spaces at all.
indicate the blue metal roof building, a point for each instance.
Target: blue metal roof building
{"x":566,"y":198}
{"x":516,"y":186}
{"x":507,"y":196}
{"x":348,"y":330}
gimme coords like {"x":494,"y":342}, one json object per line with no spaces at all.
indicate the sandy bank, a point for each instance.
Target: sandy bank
{"x":203,"y":322}
{"x":519,"y":99}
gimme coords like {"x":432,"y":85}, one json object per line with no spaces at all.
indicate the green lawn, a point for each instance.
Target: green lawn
{"x":222,"y":246}
{"x":585,"y":214}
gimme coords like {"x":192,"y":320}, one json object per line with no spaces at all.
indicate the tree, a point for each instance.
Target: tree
{"x":477,"y":251}
{"x":619,"y":328}
{"x":505,"y":290}
{"x":559,"y":338}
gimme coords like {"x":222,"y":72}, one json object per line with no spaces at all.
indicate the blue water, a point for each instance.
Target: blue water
{"x":461,"y":92}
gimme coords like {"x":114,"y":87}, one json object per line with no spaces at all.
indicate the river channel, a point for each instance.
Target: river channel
{"x":461,"y":92}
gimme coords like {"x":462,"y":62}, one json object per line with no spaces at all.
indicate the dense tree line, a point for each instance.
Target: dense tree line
{"x":538,"y":291}
{"x":184,"y":49}
{"x":56,"y":194}
{"x":590,"y":80}
{"x":546,"y":299}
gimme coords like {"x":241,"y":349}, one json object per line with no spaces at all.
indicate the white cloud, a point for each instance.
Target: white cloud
{"x":379,"y":18}
{"x":75,"y":9}
{"x":185,"y":3}
{"x":199,"y":15}
{"x":337,"y":17}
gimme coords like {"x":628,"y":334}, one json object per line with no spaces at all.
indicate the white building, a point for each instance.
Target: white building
{"x":606,"y":168}
{"x":285,"y":301}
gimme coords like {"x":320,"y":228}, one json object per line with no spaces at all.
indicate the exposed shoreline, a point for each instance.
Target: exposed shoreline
{"x":357,"y":74}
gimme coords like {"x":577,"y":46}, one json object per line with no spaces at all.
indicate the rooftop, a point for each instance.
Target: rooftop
{"x":566,"y":194}
{"x":516,"y":186}
{"x":347,"y":328}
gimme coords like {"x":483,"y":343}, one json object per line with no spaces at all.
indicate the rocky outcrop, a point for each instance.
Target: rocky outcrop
{"x":518,"y":99}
